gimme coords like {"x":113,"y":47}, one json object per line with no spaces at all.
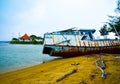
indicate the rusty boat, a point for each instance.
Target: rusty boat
{"x":72,"y":42}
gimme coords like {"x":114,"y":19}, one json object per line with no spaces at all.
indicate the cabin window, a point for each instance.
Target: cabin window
{"x":84,"y":37}
{"x":81,"y":33}
{"x":90,"y":35}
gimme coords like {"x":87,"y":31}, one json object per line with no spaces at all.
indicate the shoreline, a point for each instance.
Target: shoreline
{"x":16,"y":69}
{"x":50,"y":71}
{"x":24,"y":67}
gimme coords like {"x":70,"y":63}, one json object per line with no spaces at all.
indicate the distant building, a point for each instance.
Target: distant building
{"x":25,"y":37}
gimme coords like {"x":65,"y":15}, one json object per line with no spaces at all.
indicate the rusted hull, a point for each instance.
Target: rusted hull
{"x":70,"y":51}
{"x":72,"y":42}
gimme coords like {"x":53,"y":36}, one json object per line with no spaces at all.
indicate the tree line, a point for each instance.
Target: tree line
{"x":33,"y":40}
{"x":113,"y":24}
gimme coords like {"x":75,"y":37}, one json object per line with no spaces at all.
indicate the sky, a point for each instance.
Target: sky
{"x":37,"y":17}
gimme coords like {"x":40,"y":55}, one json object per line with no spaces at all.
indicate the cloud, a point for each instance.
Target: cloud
{"x":40,"y":16}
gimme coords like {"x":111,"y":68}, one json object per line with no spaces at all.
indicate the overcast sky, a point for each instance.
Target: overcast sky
{"x":40,"y":16}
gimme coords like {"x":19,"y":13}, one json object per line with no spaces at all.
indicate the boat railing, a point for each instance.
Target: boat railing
{"x":87,"y":43}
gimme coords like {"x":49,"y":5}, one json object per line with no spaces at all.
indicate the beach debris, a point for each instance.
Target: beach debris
{"x":68,"y":73}
{"x":76,"y":65}
{"x":117,"y":70}
{"x":108,"y":73}
{"x":116,"y":61}
{"x":117,"y":57}
{"x":65,"y":75}
{"x":83,"y":82}
{"x":101,"y":65}
{"x":93,"y":74}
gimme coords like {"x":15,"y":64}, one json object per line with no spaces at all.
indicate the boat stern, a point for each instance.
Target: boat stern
{"x":47,"y":50}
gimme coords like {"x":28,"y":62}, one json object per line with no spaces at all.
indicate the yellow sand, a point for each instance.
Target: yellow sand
{"x":49,"y":72}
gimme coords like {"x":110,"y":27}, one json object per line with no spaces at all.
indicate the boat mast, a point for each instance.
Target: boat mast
{"x":116,"y":31}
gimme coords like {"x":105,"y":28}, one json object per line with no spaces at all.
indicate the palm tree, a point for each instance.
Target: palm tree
{"x":114,"y":24}
{"x":118,"y":7}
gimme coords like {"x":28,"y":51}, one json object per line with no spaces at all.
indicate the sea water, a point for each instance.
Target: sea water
{"x":18,"y":56}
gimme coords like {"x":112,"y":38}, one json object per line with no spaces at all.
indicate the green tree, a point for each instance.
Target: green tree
{"x":104,"y":31}
{"x":114,"y":24}
{"x":14,"y":39}
{"x":33,"y":36}
{"x":39,"y":37}
{"x":114,"y":21}
{"x":118,"y":7}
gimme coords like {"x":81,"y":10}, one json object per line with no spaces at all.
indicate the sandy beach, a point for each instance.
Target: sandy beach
{"x":61,"y":71}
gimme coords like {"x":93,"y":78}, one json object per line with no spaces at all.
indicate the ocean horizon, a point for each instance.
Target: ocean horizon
{"x":19,"y":56}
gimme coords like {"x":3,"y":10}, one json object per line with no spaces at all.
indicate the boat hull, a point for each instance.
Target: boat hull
{"x":70,"y":51}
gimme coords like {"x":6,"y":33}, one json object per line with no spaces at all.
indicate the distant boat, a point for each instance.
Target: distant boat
{"x":71,"y":42}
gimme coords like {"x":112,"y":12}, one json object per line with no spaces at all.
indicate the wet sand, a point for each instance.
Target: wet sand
{"x":58,"y":71}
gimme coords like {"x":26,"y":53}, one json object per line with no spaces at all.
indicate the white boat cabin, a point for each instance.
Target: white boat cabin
{"x":69,"y":37}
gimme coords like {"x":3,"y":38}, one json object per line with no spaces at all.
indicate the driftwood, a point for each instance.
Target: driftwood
{"x":117,"y":57}
{"x":69,"y":72}
{"x":76,"y":65}
{"x":101,"y":65}
{"x":65,"y":75}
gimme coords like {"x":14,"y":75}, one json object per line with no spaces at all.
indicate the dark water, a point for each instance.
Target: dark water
{"x":18,"y":56}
